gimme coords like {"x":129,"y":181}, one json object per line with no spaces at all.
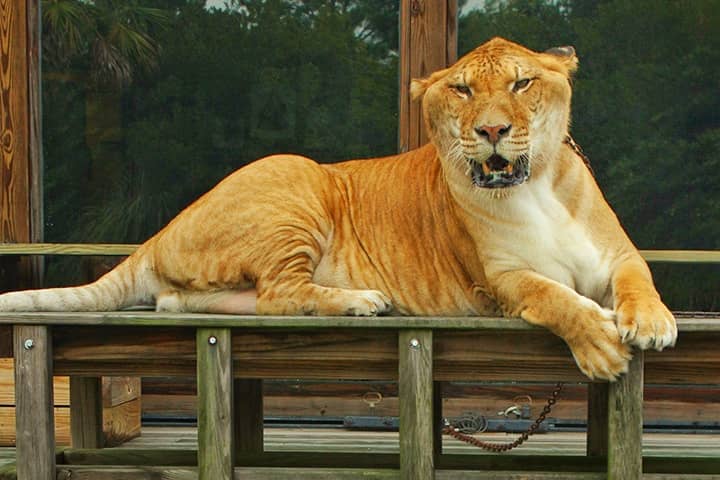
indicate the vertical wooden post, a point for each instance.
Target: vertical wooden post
{"x":597,"y":419}
{"x":417,"y":451}
{"x":428,"y":42}
{"x":215,"y":404}
{"x":35,"y":421}
{"x":86,"y":412}
{"x":248,"y":406}
{"x":20,"y":142}
{"x":625,"y":423}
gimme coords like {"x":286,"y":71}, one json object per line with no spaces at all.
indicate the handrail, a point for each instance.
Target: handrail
{"x":121,"y":249}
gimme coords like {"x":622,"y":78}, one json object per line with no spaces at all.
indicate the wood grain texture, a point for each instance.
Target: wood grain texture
{"x":417,"y":451}
{"x":122,"y":423}
{"x":7,"y":426}
{"x":625,"y":423}
{"x":90,"y":249}
{"x":248,"y":415}
{"x":215,"y":404}
{"x":35,"y":424}
{"x":14,"y":138}
{"x":86,"y":412}
{"x":428,"y":42}
{"x":61,"y":386}
{"x":118,"y":390}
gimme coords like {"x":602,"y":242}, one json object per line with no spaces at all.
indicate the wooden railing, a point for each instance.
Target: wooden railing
{"x":230,"y":356}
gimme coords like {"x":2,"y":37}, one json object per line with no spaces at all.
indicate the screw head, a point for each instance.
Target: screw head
{"x":212,"y":340}
{"x":414,"y":343}
{"x":28,"y":344}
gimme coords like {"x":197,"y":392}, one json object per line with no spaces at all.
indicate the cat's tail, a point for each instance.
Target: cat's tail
{"x":130,"y":283}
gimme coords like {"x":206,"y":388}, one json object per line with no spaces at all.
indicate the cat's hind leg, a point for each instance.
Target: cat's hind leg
{"x":238,"y":302}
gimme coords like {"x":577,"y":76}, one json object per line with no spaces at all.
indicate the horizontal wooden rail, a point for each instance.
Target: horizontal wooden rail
{"x":225,"y":352}
{"x":122,"y":249}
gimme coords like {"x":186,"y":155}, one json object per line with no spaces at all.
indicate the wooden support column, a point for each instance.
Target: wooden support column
{"x":248,"y":405}
{"x":417,"y":451}
{"x":625,"y":423}
{"x":215,"y":404}
{"x":597,"y":419}
{"x":428,"y":42}
{"x":86,"y":412}
{"x":34,"y":417}
{"x":20,"y":138}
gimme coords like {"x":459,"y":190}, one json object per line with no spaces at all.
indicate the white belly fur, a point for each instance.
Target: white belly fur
{"x":546,"y":239}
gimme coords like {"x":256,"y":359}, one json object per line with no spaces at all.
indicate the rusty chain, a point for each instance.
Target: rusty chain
{"x":455,"y":432}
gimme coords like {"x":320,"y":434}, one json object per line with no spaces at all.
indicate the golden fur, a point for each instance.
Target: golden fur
{"x":496,"y":215}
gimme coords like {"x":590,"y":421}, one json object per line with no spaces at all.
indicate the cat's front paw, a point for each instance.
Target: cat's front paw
{"x":646,"y":323}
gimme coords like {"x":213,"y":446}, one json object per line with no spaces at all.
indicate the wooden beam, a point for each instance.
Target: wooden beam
{"x":625,"y":423}
{"x":35,"y":422}
{"x":417,"y":435}
{"x":428,"y":42}
{"x":86,"y":412}
{"x":215,"y":404}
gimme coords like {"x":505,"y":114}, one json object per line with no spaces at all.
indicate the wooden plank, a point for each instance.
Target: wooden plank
{"x":682,"y":256}
{"x":215,"y":404}
{"x":417,"y":451}
{"x":110,"y":249}
{"x":7,"y":426}
{"x":61,"y":386}
{"x":625,"y":423}
{"x":14,"y":138}
{"x":364,"y":353}
{"x":248,"y":415}
{"x":122,"y":423}
{"x":118,"y":390}
{"x":597,"y":419}
{"x":33,"y":391}
{"x":428,"y":42}
{"x":86,"y":412}
{"x":686,"y":324}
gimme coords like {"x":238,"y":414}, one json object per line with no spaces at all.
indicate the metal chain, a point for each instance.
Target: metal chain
{"x":579,"y":151}
{"x":504,"y":447}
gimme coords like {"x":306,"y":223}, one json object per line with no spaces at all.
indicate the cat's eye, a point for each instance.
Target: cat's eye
{"x":521,"y":84}
{"x":463,"y":90}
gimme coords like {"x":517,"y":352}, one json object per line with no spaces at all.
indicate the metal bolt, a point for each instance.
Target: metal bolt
{"x":28,"y":344}
{"x":414,"y":343}
{"x":212,"y":340}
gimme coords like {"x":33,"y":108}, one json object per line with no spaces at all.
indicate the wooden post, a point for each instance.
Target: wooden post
{"x":86,"y":412}
{"x":215,"y":404}
{"x":20,"y":138}
{"x":35,"y":421}
{"x":428,"y":42}
{"x":597,"y":419}
{"x":625,"y":423}
{"x":417,"y":449}
{"x":248,"y":405}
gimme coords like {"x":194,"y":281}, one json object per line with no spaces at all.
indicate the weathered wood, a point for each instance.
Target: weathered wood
{"x":61,"y":386}
{"x":417,"y":452}
{"x":428,"y":42}
{"x":215,"y":404}
{"x":7,"y":426}
{"x":118,"y":390}
{"x":122,"y":423}
{"x":597,"y":419}
{"x":110,"y":249}
{"x":34,"y":399}
{"x":332,"y":353}
{"x":86,"y":412}
{"x":625,"y":423}
{"x":248,"y":415}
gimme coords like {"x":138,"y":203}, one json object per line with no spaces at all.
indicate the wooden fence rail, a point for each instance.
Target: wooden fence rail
{"x":228,"y":353}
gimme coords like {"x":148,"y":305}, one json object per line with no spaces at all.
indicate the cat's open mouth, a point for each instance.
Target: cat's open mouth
{"x":497,"y":172}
